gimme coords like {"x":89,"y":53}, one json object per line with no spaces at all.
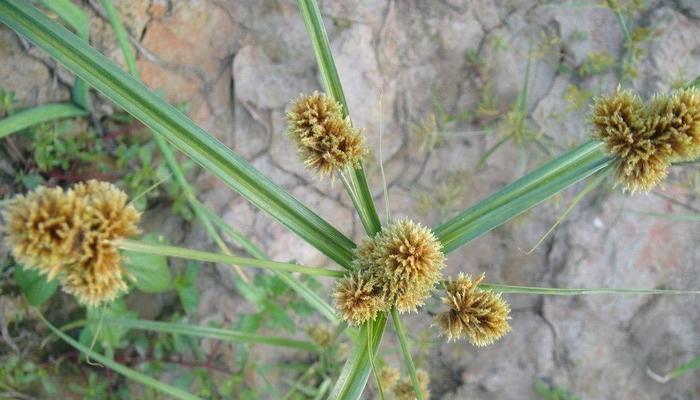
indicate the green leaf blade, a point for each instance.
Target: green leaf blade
{"x":166,"y":120}
{"x":48,"y":112}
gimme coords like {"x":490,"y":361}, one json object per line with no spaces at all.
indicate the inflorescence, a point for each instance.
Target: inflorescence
{"x":648,"y":137}
{"x":325,"y":140}
{"x":400,"y":267}
{"x":480,"y":315}
{"x":70,"y":234}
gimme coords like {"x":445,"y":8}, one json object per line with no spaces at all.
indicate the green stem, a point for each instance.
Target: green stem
{"x":181,"y":252}
{"x":48,"y":112}
{"x":580,"y":291}
{"x":401,"y":334}
{"x":304,"y":291}
{"x":121,"y":369}
{"x":210,"y":332}
{"x":184,"y":134}
{"x":364,"y":204}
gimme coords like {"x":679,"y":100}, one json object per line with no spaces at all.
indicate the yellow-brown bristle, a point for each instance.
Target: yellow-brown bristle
{"x":357,"y":299}
{"x":479,"y":315}
{"x":43,"y":229}
{"x":622,"y":122}
{"x":325,"y":140}
{"x":404,"y":390}
{"x":407,"y":261}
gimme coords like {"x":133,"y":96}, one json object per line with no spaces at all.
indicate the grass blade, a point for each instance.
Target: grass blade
{"x":401,"y":333}
{"x":189,"y":254}
{"x":78,"y":20}
{"x":122,"y":37}
{"x":48,"y":112}
{"x":299,"y":287}
{"x":210,"y":332}
{"x":355,"y":372}
{"x":164,"y":119}
{"x":523,"y":194}
{"x":361,"y":197}
{"x":121,"y":369}
{"x":580,"y":291}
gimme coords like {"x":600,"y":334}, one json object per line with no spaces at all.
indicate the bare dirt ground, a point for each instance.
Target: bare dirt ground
{"x":236,"y":64}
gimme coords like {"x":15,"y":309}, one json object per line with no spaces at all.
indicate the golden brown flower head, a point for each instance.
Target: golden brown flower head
{"x":309,"y":112}
{"x":71,"y":234}
{"x":357,"y":299}
{"x":98,"y":276}
{"x":321,"y":335}
{"x":675,"y":120}
{"x":43,"y":229}
{"x":364,"y":255}
{"x":621,"y":121}
{"x":406,"y":261}
{"x":404,"y":389}
{"x":108,"y":210}
{"x":388,"y":377}
{"x":326,"y":141}
{"x":480,"y":315}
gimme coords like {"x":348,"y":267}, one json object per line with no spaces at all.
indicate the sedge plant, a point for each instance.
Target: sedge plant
{"x":77,"y":235}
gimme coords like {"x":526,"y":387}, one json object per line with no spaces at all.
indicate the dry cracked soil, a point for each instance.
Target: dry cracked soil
{"x":439,"y":80}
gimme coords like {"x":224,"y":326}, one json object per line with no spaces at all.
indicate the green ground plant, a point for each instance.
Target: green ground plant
{"x":395,"y":269}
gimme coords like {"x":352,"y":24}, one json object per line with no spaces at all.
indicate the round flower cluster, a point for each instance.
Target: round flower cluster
{"x":399,"y":268}
{"x":480,"y":315}
{"x":647,"y":138}
{"x":70,"y":234}
{"x":325,"y":140}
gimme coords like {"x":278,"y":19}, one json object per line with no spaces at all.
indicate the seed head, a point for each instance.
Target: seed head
{"x":320,"y":335}
{"x":406,"y":261}
{"x":388,"y":377}
{"x":675,"y":120}
{"x":404,"y":389}
{"x":480,"y":315}
{"x":43,"y":229}
{"x":98,"y":276}
{"x":70,"y":235}
{"x":358,"y":299}
{"x":621,"y":121}
{"x":326,"y":141}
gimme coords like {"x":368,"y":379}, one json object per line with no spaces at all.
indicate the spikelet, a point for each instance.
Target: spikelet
{"x":404,"y":390}
{"x":357,"y":299}
{"x":325,"y":141}
{"x":621,"y":121}
{"x":321,"y":335}
{"x":407,"y":261}
{"x":70,"y":235}
{"x":388,"y":377}
{"x":675,"y":120}
{"x":480,"y":315}
{"x":98,"y":276}
{"x":43,"y":229}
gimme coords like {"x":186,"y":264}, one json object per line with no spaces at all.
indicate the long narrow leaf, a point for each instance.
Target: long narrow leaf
{"x":48,"y":112}
{"x":359,"y":192}
{"x":357,"y":368}
{"x":189,"y":254}
{"x":408,"y":359}
{"x":579,"y":291}
{"x":121,"y":369}
{"x":164,"y":119}
{"x":523,"y":194}
{"x":78,"y":20}
{"x":302,"y":290}
{"x":209,"y":332}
